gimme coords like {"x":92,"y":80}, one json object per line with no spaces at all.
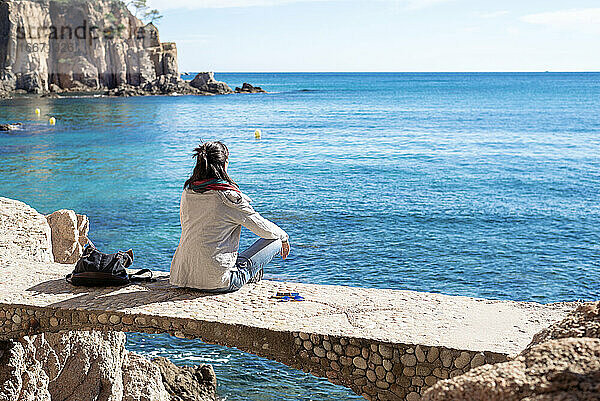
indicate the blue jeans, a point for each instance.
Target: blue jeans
{"x":251,"y":261}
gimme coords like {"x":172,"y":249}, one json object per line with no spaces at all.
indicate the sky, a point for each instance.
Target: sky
{"x":382,"y":35}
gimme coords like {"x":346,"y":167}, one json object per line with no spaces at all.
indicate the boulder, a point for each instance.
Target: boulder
{"x":561,"y":364}
{"x":24,"y":233}
{"x":206,"y":82}
{"x":11,"y":126}
{"x":126,"y":91}
{"x":582,"y":322}
{"x":142,"y":380}
{"x":163,"y":85}
{"x":8,"y":80}
{"x":54,"y":88}
{"x":557,"y":370}
{"x":83,"y":366}
{"x":69,"y":235}
{"x":187,"y":383}
{"x":31,"y":82}
{"x":169,"y":84}
{"x":247,"y":88}
{"x":76,"y":86}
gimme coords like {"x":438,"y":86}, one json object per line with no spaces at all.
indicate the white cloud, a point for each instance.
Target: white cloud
{"x":493,"y":14}
{"x":413,"y":4}
{"x":196,"y":4}
{"x":582,"y":19}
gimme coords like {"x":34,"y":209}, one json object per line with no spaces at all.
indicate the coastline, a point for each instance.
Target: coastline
{"x":203,"y":84}
{"x":54,"y":47}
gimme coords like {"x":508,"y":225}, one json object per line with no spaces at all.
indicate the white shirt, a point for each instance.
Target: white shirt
{"x":211,"y":223}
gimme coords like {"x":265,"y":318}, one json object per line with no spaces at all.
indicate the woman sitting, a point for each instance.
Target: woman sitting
{"x":212,"y":213}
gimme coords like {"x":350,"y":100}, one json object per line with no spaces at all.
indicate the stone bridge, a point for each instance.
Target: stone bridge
{"x":383,"y":344}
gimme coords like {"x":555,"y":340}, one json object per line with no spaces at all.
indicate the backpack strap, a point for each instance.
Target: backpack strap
{"x":128,"y":260}
{"x":136,"y":277}
{"x":88,"y":248}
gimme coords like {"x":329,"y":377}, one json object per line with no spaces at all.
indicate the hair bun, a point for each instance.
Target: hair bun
{"x":200,"y":151}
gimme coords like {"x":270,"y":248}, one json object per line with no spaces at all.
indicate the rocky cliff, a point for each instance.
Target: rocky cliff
{"x":53,"y":45}
{"x":85,"y":366}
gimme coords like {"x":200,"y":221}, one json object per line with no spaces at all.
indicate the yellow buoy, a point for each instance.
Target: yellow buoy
{"x":37,"y":112}
{"x":52,"y":121}
{"x":257,"y":134}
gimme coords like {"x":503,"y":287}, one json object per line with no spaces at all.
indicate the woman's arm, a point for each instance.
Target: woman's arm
{"x":241,"y":212}
{"x":269,"y":230}
{"x":263,"y":227}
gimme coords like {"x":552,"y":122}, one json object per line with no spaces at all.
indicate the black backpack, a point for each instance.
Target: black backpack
{"x":97,"y":269}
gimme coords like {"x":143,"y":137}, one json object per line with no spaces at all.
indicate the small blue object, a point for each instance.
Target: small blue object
{"x":286,"y":294}
{"x":295,"y":298}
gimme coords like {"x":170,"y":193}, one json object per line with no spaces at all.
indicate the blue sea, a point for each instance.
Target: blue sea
{"x":477,"y":184}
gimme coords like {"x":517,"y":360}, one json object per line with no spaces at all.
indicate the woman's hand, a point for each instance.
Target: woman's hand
{"x":285,"y":249}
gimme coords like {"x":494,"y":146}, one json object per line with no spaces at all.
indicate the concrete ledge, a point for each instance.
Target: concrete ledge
{"x":383,"y":344}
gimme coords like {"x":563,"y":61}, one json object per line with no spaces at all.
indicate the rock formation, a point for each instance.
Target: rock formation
{"x":83,"y":366}
{"x":206,"y":82}
{"x":53,"y":46}
{"x":25,"y":233}
{"x":165,"y":84}
{"x":247,"y":88}
{"x":11,"y":127}
{"x":561,"y":364}
{"x":79,"y":45}
{"x":583,"y":322}
{"x":69,"y":235}
{"x":187,"y":383}
{"x":76,"y":365}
